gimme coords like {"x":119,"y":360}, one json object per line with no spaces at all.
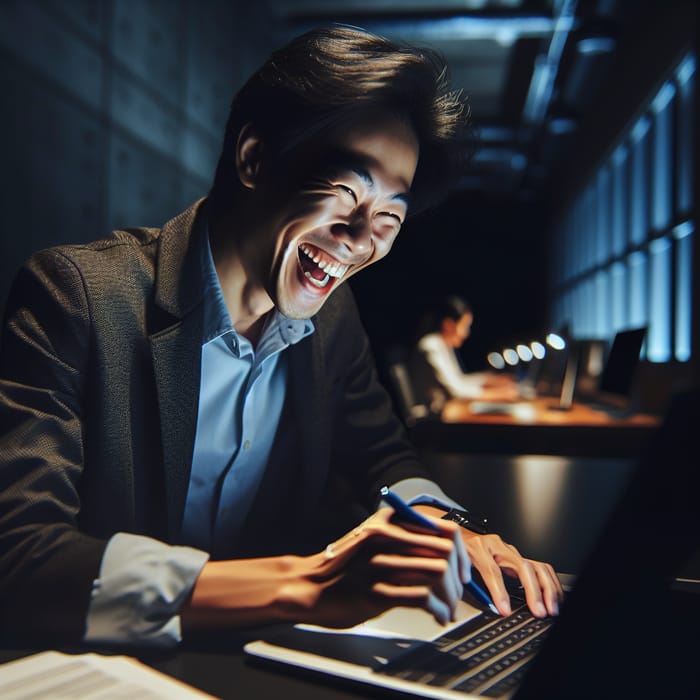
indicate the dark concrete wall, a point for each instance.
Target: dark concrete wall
{"x":112,"y":113}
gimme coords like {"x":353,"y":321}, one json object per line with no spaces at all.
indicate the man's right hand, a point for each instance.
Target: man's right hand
{"x":377,"y":566}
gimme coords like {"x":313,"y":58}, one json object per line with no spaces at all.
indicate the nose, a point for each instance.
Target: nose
{"x":354,"y":233}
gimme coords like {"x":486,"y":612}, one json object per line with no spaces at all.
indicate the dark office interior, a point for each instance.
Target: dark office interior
{"x":578,"y":211}
{"x":113,"y":114}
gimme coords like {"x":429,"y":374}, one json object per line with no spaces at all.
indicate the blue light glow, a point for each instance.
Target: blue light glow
{"x":659,"y":334}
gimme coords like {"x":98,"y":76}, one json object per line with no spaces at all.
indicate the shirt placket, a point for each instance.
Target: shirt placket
{"x":242,"y":477}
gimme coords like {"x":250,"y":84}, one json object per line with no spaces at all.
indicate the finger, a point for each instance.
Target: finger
{"x":463,"y":563}
{"x":451,"y":530}
{"x":439,"y":574}
{"x":413,"y":597}
{"x":539,"y":581}
{"x":530,"y":580}
{"x":402,"y":537}
{"x":450,"y":541}
{"x":552,"y":592}
{"x":483,"y":549}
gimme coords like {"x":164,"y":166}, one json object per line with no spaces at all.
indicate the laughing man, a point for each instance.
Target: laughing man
{"x":193,"y":433}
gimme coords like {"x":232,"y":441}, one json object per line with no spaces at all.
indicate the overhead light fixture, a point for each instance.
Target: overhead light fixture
{"x":538,"y":350}
{"x":547,"y":65}
{"x":555,"y":341}
{"x":561,"y":125}
{"x":511,"y":357}
{"x":594,"y":45}
{"x":495,"y":359}
{"x":524,"y":352}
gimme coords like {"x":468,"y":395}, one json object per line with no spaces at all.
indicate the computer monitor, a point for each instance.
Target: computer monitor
{"x":620,"y":365}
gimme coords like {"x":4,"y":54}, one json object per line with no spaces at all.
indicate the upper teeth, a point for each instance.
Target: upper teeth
{"x":332,"y":268}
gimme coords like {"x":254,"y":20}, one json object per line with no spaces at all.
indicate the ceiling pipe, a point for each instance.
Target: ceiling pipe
{"x":547,"y":65}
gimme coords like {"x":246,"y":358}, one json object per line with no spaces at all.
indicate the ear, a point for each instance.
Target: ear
{"x":447,"y":326}
{"x":249,"y":151}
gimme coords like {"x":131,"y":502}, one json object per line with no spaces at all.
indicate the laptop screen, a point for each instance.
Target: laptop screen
{"x":622,"y":361}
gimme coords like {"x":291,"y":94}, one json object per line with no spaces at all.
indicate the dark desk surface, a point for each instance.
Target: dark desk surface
{"x":540,"y":429}
{"x":550,"y":507}
{"x":223,"y":671}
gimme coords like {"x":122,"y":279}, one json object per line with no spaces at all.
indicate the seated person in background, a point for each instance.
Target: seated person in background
{"x":435,"y":369}
{"x":185,"y":412}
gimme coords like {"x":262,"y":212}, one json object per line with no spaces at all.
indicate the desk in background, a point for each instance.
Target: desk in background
{"x":539,"y":429}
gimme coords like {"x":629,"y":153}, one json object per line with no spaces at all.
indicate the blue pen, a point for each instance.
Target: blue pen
{"x":405,"y":512}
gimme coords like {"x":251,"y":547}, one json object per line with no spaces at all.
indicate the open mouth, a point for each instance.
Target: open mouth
{"x":318,"y":268}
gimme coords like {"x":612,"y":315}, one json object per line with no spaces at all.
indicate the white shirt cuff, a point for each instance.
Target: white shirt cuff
{"x":141,"y":587}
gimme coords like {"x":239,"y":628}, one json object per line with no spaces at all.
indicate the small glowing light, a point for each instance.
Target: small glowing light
{"x":524,"y":352}
{"x":562,"y":125}
{"x":596,"y":45}
{"x":556,"y":341}
{"x":495,"y":359}
{"x":511,"y":357}
{"x":538,"y":350}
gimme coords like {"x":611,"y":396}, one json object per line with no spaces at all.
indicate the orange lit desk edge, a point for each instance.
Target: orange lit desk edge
{"x":543,"y":411}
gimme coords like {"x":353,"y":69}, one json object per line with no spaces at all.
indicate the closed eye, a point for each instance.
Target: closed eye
{"x":349,"y":191}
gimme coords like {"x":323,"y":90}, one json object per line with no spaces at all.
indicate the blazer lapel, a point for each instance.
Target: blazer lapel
{"x":176,"y":362}
{"x":307,"y":372}
{"x":176,"y":348}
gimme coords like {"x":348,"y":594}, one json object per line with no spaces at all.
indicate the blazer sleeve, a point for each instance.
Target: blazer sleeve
{"x":47,"y":565}
{"x":370,"y":444}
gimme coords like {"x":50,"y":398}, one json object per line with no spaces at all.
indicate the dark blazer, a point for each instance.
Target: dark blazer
{"x":99,"y":382}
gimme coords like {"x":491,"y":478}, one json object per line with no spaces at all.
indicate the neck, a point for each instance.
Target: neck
{"x":247,"y":301}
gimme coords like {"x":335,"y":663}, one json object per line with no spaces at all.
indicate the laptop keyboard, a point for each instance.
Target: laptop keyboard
{"x":486,"y":656}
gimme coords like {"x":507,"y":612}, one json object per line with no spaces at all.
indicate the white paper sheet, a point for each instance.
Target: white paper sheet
{"x":52,"y":674}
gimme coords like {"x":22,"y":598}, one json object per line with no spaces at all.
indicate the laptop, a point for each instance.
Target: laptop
{"x":626,"y":628}
{"x":613,"y":393}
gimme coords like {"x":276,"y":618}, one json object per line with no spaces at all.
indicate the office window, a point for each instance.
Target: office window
{"x":625,"y":255}
{"x":603,"y":220}
{"x":620,"y":197}
{"x":639,"y":194}
{"x":638,"y":310}
{"x":587,"y":303}
{"x":659,"y":333}
{"x":602,"y":317}
{"x":683,"y":235}
{"x":685,"y":76}
{"x":662,"y":171}
{"x":618,"y":296}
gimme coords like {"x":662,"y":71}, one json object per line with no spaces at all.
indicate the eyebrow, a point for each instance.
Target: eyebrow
{"x":346,"y":159}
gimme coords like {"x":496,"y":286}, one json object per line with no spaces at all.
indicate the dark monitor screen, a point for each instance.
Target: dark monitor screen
{"x":621,"y":362}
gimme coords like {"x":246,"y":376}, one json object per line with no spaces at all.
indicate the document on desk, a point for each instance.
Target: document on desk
{"x":52,"y":674}
{"x":521,"y":411}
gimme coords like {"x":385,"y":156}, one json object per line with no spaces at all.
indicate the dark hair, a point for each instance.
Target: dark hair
{"x":430,"y":321}
{"x":328,"y":75}
{"x":453,"y":307}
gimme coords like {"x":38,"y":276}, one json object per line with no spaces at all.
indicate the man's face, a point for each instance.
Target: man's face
{"x":345,"y":217}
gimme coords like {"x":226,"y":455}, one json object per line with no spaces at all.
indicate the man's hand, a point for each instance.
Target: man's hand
{"x":377,"y":566}
{"x":382,"y":564}
{"x":493,"y":557}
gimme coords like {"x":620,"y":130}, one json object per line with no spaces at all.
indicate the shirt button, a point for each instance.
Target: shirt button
{"x":246,"y":445}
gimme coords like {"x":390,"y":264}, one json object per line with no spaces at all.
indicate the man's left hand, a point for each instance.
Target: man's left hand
{"x":493,"y":558}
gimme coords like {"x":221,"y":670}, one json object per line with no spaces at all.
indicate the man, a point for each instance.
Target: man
{"x":189,"y":412}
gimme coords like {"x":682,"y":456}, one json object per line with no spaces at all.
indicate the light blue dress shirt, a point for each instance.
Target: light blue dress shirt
{"x":143,"y":582}
{"x":241,"y":396}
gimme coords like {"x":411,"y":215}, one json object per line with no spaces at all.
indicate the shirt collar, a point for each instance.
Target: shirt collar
{"x":217,"y":321}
